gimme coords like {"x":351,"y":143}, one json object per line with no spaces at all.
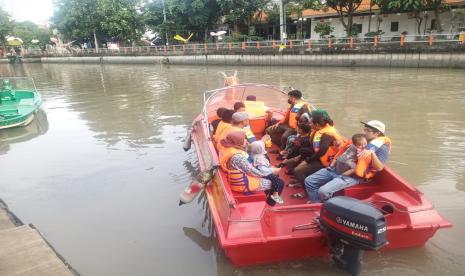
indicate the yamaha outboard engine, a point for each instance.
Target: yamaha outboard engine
{"x":352,"y":226}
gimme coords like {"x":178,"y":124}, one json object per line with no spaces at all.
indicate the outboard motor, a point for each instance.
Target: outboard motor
{"x":352,"y":226}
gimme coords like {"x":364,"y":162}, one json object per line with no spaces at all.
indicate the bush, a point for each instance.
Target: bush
{"x":370,"y":35}
{"x":323,"y":29}
{"x":241,"y":38}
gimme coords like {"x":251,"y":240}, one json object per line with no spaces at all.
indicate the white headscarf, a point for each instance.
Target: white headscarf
{"x":258,"y":153}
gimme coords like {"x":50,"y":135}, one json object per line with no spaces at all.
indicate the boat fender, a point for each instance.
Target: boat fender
{"x":201,"y":180}
{"x":190,"y":192}
{"x":187,"y":141}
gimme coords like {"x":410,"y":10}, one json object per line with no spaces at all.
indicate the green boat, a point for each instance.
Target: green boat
{"x":19,"y":101}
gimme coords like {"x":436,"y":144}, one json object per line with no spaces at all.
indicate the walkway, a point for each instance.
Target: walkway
{"x":25,"y":252}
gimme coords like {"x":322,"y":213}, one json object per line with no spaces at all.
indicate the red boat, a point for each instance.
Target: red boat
{"x":251,"y":232}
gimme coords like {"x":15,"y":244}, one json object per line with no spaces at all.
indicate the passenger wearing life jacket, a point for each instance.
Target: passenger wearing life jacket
{"x":240,"y":122}
{"x":214,"y":124}
{"x":325,"y":182}
{"x":225,"y":122}
{"x":325,"y":143}
{"x":288,"y":126}
{"x":242,"y":175}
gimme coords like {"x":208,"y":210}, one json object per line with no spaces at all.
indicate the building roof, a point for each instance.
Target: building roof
{"x":363,"y":8}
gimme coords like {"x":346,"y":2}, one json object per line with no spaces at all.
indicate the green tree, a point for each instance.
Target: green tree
{"x":297,"y":8}
{"x":99,"y":19}
{"x":28,"y":31}
{"x":183,"y":16}
{"x":6,"y":26}
{"x":237,"y":12}
{"x":416,"y":7}
{"x":345,"y":9}
{"x":323,"y":29}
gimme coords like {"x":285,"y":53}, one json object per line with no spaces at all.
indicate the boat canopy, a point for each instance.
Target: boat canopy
{"x":227,"y":96}
{"x":17,"y":83}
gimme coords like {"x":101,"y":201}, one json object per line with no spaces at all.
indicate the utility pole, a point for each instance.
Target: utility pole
{"x":282,"y":21}
{"x":164,"y":22}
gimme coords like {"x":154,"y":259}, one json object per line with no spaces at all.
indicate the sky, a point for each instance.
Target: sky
{"x":37,"y":11}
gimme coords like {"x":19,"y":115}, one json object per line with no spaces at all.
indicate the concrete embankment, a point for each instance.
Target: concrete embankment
{"x":24,"y":251}
{"x":409,"y":60}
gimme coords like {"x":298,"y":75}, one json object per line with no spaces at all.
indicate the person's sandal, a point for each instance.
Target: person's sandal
{"x":297,"y":196}
{"x":277,"y":199}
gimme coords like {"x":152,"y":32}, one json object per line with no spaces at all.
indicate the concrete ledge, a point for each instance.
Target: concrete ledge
{"x":408,"y":60}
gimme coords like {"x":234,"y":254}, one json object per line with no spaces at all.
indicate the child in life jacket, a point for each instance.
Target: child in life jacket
{"x":346,"y":162}
{"x":261,"y":162}
{"x":292,"y":140}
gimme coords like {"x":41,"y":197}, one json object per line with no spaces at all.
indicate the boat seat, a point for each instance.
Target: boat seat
{"x":241,"y":197}
{"x":361,"y":191}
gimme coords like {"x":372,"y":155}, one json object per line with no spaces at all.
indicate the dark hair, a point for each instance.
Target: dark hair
{"x":295,"y":93}
{"x":238,"y":105}
{"x":357,"y":138}
{"x":319,"y":119}
{"x":306,"y":128}
{"x":220,"y":110}
{"x":226,"y":116}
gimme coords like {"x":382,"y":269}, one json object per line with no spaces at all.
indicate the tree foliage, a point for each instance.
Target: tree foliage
{"x":5,"y":26}
{"x":29,"y":31}
{"x":183,"y":16}
{"x":242,"y":12}
{"x":323,"y":29}
{"x":416,"y":7}
{"x":114,"y":20}
{"x":345,"y":9}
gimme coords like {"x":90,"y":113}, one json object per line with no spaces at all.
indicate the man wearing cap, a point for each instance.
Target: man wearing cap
{"x":288,"y":125}
{"x":325,"y":182}
{"x":240,"y":122}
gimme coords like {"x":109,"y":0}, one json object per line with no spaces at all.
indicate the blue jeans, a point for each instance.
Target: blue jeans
{"x":325,"y":182}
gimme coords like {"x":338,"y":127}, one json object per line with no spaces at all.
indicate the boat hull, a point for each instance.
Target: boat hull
{"x":19,"y":110}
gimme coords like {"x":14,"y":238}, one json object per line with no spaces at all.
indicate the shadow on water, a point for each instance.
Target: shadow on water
{"x":37,"y":127}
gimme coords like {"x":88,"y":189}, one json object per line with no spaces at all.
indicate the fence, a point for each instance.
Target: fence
{"x":436,"y":42}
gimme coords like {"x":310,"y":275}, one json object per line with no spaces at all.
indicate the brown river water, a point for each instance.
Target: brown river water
{"x":100,"y":169}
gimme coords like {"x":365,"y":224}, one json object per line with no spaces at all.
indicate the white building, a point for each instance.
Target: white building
{"x":452,"y":20}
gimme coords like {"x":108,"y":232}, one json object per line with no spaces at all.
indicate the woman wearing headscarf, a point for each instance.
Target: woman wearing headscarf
{"x":242,"y":175}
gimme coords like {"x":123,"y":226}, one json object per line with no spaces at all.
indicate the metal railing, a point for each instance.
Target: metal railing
{"x":270,"y":46}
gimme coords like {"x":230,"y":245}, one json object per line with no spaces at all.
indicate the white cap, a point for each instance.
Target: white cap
{"x":376,"y":125}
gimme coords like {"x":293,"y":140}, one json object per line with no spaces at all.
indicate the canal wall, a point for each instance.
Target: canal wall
{"x":408,"y":60}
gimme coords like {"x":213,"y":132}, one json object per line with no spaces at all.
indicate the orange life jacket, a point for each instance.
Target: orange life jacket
{"x":292,"y":113}
{"x":219,"y":129}
{"x":249,"y":136}
{"x":363,"y":168}
{"x":338,"y":142}
{"x":238,"y":181}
